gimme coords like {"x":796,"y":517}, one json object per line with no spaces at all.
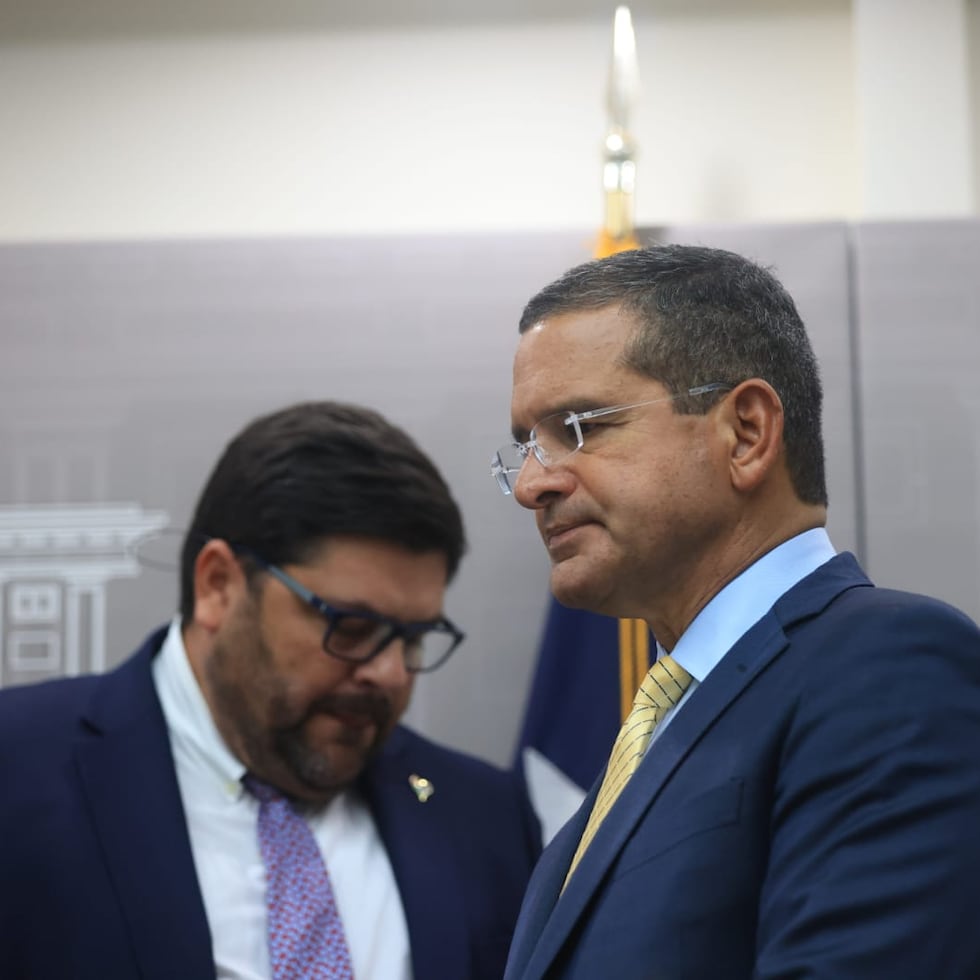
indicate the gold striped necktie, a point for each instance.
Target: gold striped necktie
{"x":664,"y":685}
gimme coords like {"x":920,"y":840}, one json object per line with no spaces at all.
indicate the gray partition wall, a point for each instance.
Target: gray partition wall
{"x":126,"y":367}
{"x":918,"y":314}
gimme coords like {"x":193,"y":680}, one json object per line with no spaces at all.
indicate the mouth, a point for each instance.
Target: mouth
{"x":354,"y":720}
{"x":560,"y":536}
{"x":354,"y":712}
{"x":355,"y":731}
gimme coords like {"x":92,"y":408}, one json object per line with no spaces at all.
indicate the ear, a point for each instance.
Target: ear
{"x":755,"y":415}
{"x":218,"y":580}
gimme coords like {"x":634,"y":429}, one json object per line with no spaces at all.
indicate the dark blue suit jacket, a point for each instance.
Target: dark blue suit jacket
{"x":97,"y":880}
{"x":812,"y":813}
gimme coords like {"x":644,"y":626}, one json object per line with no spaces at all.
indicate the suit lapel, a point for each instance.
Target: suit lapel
{"x":545,"y":886}
{"x":734,"y":673}
{"x":130,"y":788}
{"x":432,"y":890}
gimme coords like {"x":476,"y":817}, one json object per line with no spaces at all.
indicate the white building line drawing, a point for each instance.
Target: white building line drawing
{"x":55,"y":561}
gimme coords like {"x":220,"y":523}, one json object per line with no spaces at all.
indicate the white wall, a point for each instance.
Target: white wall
{"x":913,"y":95}
{"x":748,"y":113}
{"x":973,"y":49}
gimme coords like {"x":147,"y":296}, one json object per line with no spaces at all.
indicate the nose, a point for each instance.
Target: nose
{"x":538,"y":485}
{"x":386,"y":669}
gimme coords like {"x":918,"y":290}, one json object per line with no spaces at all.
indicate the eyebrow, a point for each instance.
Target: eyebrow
{"x":575,"y":405}
{"x":356,"y":607}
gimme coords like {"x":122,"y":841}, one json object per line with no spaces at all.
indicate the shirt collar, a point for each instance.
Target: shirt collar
{"x":192,"y":729}
{"x":746,"y":599}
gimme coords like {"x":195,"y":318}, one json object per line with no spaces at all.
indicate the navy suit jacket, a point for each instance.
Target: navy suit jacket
{"x":97,"y":880}
{"x":811,"y":813}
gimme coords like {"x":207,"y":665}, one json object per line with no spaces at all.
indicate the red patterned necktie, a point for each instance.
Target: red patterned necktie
{"x":306,"y":936}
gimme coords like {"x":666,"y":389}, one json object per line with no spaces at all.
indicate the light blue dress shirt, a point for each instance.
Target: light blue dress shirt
{"x":740,"y":605}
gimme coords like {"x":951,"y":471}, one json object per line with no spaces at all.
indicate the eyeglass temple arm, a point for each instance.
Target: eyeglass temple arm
{"x":596,"y":413}
{"x":297,"y":588}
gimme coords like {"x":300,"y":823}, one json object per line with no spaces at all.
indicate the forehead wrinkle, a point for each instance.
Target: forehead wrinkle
{"x":568,"y":349}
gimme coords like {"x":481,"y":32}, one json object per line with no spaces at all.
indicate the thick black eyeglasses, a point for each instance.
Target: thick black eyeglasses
{"x":358,"y":637}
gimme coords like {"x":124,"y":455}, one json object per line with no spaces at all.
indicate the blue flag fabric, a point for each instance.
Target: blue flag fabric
{"x":573,"y":713}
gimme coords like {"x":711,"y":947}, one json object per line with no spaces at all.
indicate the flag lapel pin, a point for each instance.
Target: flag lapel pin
{"x":421,"y":786}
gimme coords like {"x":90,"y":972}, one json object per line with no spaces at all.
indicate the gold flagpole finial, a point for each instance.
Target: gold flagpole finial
{"x":619,"y":167}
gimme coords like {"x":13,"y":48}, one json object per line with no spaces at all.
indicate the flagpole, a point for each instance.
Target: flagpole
{"x":618,"y":235}
{"x":572,"y":716}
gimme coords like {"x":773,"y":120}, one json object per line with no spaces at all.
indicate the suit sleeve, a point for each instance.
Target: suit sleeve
{"x":875,"y":834}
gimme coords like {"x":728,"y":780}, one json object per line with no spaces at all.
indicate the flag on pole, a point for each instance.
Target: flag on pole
{"x":581,"y":690}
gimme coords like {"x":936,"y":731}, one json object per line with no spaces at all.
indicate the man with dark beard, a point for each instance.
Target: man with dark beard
{"x":238,"y":798}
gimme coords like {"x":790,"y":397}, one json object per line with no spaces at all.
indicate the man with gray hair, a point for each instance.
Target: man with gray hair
{"x":796,"y":792}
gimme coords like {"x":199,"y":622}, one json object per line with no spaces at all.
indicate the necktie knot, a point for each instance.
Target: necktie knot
{"x":663,"y":685}
{"x":263,"y":792}
{"x":662,"y":688}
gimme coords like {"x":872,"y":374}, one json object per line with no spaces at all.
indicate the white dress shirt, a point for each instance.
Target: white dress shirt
{"x":223,"y":822}
{"x":740,"y":605}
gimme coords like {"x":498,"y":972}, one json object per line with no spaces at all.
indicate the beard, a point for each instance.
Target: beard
{"x":287,"y":741}
{"x":266,"y":728}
